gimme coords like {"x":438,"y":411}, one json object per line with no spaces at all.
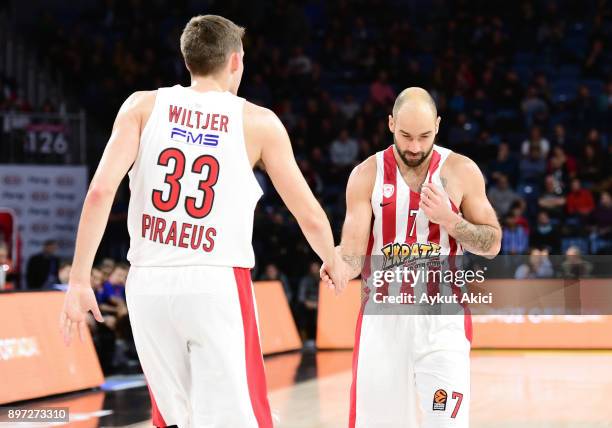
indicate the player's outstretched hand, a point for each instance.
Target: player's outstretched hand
{"x":79,"y":300}
{"x":335,"y":274}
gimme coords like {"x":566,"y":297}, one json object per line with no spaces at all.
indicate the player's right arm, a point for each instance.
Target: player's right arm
{"x":268,"y":140}
{"x":357,"y":223}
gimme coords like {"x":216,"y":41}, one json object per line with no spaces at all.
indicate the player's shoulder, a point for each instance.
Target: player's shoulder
{"x":261,"y":122}
{"x":458,"y":164}
{"x":363,"y":175}
{"x":139,"y":101}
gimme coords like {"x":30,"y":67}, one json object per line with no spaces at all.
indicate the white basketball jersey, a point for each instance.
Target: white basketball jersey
{"x":193,"y":192}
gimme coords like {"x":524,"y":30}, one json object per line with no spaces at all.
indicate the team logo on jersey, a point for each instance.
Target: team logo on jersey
{"x":388,"y":190}
{"x":184,"y":136}
{"x":398,"y":254}
{"x":439,"y":400}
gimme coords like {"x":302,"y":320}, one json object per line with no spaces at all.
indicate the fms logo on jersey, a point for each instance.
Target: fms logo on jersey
{"x":197,"y":138}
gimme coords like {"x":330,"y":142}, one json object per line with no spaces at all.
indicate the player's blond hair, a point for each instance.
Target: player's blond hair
{"x":207,"y":41}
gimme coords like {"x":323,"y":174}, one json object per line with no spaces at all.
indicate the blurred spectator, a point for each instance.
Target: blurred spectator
{"x":349,"y":107}
{"x":545,"y":234}
{"x":533,"y":107}
{"x":107,"y":265}
{"x":517,"y":210}
{"x":381,"y":92}
{"x":63,"y":276}
{"x":532,"y":167}
{"x":601,"y":218}
{"x":502,"y":196}
{"x":536,"y":140}
{"x":308,"y":301}
{"x":574,"y":266}
{"x":505,"y":163}
{"x":538,"y":266}
{"x":514,"y":237}
{"x":590,"y":168}
{"x":344,"y":150}
{"x":579,"y":201}
{"x":6,"y":268}
{"x":112,"y":297}
{"x":42,"y":268}
{"x":552,"y":199}
{"x":561,"y":166}
{"x":272,"y":273}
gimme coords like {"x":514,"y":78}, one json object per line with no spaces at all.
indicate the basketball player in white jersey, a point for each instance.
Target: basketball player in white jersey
{"x":191,"y":151}
{"x":422,"y":198}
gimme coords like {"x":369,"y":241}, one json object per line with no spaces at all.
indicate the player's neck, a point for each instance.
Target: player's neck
{"x":208,"y":83}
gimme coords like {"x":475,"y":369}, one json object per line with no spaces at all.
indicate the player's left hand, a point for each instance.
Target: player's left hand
{"x":434,"y":204}
{"x":78,"y":301}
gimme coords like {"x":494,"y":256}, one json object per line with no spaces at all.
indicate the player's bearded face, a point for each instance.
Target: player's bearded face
{"x":413,"y":159}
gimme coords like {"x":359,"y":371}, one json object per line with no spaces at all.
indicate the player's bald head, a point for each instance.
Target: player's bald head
{"x":415,"y":97}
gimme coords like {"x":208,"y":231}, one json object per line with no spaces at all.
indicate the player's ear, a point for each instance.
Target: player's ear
{"x":438,"y":124}
{"x":234,"y":61}
{"x":391,"y":124}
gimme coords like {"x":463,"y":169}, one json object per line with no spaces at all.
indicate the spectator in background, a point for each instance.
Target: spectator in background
{"x":517,"y":210}
{"x":63,"y":276}
{"x":538,"y":266}
{"x":502,"y":196}
{"x":552,"y":199}
{"x":42,"y":268}
{"x":601,"y":218}
{"x":514,"y":238}
{"x":532,"y":167}
{"x":536,"y":140}
{"x":579,"y":201}
{"x":590,"y":169}
{"x":533,"y":107}
{"x":561,"y":166}
{"x":5,"y":267}
{"x":349,"y":107}
{"x":112,"y":298}
{"x":308,"y":301}
{"x":545,"y":234}
{"x":559,"y":137}
{"x":272,"y":273}
{"x":381,"y":93}
{"x":574,"y":266}
{"x":107,"y":265}
{"x":344,"y":150}
{"x":505,"y":163}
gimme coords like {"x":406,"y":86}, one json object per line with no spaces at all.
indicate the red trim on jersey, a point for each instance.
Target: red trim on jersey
{"x":413,"y":204}
{"x":366,"y":274}
{"x":353,"y":406}
{"x":256,"y":377}
{"x":433,"y":234}
{"x":389,"y":205}
{"x":156,"y":417}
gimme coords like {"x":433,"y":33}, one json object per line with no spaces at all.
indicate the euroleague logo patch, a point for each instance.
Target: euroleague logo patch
{"x":439,"y":400}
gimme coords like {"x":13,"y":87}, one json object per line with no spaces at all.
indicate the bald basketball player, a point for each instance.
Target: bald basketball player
{"x":190,"y":152}
{"x":420,"y":199}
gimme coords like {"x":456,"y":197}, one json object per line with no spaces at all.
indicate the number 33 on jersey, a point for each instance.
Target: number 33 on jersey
{"x":193,"y":189}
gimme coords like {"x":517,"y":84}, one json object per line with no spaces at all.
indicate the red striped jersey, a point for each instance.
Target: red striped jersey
{"x":400,"y":229}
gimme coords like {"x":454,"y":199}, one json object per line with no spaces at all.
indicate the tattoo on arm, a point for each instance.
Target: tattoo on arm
{"x":475,"y":237}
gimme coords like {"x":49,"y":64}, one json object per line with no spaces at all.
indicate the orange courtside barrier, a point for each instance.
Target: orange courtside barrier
{"x":338,"y":315}
{"x":34,"y":362}
{"x":276,"y":325}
